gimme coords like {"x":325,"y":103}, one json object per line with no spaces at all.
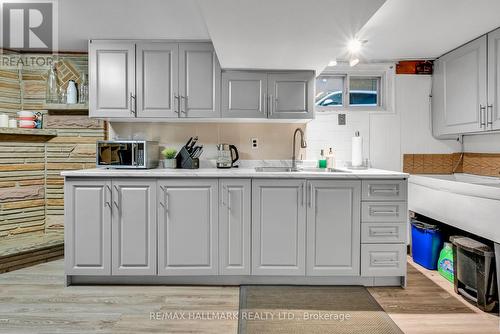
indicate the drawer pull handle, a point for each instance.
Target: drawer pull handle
{"x":384,"y":262}
{"x":375,"y":233}
{"x":375,"y":212}
{"x":385,"y":190}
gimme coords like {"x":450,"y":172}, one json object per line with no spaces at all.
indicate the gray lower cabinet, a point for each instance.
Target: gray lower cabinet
{"x":291,"y":95}
{"x":87,"y":226}
{"x":157,"y":80}
{"x":111,"y":79}
{"x":333,"y":228}
{"x":234,"y":226}
{"x":244,"y":94}
{"x":133,"y":240}
{"x":199,"y":80}
{"x":187,"y":227}
{"x":278,"y":227}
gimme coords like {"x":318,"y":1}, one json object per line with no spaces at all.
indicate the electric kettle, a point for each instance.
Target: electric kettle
{"x":225,"y":158}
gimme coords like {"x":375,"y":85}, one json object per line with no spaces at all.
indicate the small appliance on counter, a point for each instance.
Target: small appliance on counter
{"x":189,"y":154}
{"x":137,"y":154}
{"x":225,"y":158}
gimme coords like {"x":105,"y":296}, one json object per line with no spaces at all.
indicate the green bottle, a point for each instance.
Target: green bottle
{"x":322,"y":160}
{"x":445,"y":262}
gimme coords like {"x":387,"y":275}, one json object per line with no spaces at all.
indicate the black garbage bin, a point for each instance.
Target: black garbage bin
{"x":475,"y":273}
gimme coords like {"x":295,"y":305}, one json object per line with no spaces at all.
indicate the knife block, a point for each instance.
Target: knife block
{"x":184,"y":160}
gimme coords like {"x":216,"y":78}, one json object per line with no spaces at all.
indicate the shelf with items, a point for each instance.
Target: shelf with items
{"x":64,"y":106}
{"x":26,"y":134}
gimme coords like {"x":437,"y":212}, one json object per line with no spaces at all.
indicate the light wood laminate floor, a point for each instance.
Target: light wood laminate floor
{"x":34,"y":300}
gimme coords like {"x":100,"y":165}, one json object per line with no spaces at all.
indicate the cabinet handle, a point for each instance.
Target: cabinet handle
{"x":227,"y":199}
{"x":265,"y":104}
{"x":132,"y":105}
{"x":303,"y":194}
{"x":176,"y":109}
{"x":393,"y":190}
{"x":185,"y":104}
{"x":222,"y":195}
{"x":375,"y":212}
{"x":271,"y":105}
{"x":489,"y":117}
{"x":106,"y":201}
{"x":375,"y":233}
{"x":384,"y":262}
{"x":117,"y":204}
{"x":482,"y":109}
{"x":310,"y":195}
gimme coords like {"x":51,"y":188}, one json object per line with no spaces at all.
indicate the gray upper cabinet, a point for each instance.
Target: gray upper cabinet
{"x":87,"y":226}
{"x":157,"y":80}
{"x":199,"y":80}
{"x":278,"y":227}
{"x":244,"y":94}
{"x":493,"y":111}
{"x":459,"y":90}
{"x":134,"y":227}
{"x":234,"y":226}
{"x":333,"y":228}
{"x":111,"y":79}
{"x":188,"y":227}
{"x":291,"y":95}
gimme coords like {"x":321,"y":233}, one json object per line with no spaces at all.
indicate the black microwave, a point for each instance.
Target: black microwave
{"x":127,"y":154}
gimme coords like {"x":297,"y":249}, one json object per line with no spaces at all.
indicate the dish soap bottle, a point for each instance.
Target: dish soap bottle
{"x":445,"y":262}
{"x":322,"y":160}
{"x":330,"y":159}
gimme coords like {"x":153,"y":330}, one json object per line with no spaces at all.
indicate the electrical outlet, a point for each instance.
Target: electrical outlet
{"x":342,"y":119}
{"x":255,"y":143}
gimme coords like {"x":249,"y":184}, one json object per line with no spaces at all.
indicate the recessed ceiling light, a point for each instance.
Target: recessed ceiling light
{"x":354,"y":46}
{"x":333,"y":62}
{"x":353,"y":62}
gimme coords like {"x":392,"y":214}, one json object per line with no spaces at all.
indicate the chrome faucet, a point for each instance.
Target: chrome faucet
{"x":303,"y":144}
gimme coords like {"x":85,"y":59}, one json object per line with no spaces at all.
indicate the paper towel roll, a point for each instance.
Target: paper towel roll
{"x":357,"y":150}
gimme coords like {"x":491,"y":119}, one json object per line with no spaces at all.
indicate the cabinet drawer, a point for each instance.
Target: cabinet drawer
{"x":384,"y":190}
{"x":384,"y":212}
{"x":383,"y":233}
{"x":383,"y":260}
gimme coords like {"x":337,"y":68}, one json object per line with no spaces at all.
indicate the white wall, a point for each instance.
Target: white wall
{"x":485,"y":143}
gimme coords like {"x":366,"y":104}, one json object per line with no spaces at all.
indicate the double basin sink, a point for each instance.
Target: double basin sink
{"x":289,"y":169}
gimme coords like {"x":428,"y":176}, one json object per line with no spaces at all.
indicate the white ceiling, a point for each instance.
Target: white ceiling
{"x":405,"y":29}
{"x":283,"y":34}
{"x":81,"y":20}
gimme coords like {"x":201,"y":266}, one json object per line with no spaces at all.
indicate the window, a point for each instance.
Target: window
{"x":366,"y":89}
{"x":329,"y":90}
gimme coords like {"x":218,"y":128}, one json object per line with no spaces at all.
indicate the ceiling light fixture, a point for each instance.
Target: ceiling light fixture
{"x":354,"y":45}
{"x":332,"y":62}
{"x":353,"y":62}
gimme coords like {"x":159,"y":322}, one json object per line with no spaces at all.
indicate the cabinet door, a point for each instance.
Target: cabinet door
{"x":134,"y":227}
{"x":333,"y":227}
{"x":493,"y":120}
{"x":111,"y":79}
{"x":234,"y":226}
{"x":87,"y":226}
{"x":199,"y":80}
{"x":157,"y":79}
{"x":291,"y":95}
{"x":459,"y":90}
{"x":278,"y":227}
{"x":244,"y":94}
{"x":188,"y":227}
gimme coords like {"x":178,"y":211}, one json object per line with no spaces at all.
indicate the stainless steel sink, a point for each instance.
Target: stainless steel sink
{"x":290,"y":170}
{"x":274,"y":169}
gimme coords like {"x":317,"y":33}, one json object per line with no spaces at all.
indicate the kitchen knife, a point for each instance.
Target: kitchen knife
{"x":189,"y":142}
{"x":199,"y":151}
{"x":190,"y":148}
{"x":195,"y":150}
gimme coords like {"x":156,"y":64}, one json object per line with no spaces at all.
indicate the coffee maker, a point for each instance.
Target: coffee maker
{"x":225,"y":157}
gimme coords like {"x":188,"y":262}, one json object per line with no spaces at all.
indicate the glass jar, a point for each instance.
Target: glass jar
{"x":52,"y":95}
{"x":83,"y":91}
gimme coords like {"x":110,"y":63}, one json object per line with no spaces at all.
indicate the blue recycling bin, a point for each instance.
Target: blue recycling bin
{"x":426,"y":243}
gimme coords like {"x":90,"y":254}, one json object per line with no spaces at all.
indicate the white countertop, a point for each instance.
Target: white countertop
{"x":234,"y":173}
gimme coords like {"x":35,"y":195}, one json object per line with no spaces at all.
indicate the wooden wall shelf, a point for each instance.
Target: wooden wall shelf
{"x":61,"y":106}
{"x":23,"y":134}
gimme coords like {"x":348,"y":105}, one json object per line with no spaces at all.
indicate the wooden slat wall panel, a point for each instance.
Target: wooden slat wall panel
{"x":486,"y":164}
{"x":31,"y":188}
